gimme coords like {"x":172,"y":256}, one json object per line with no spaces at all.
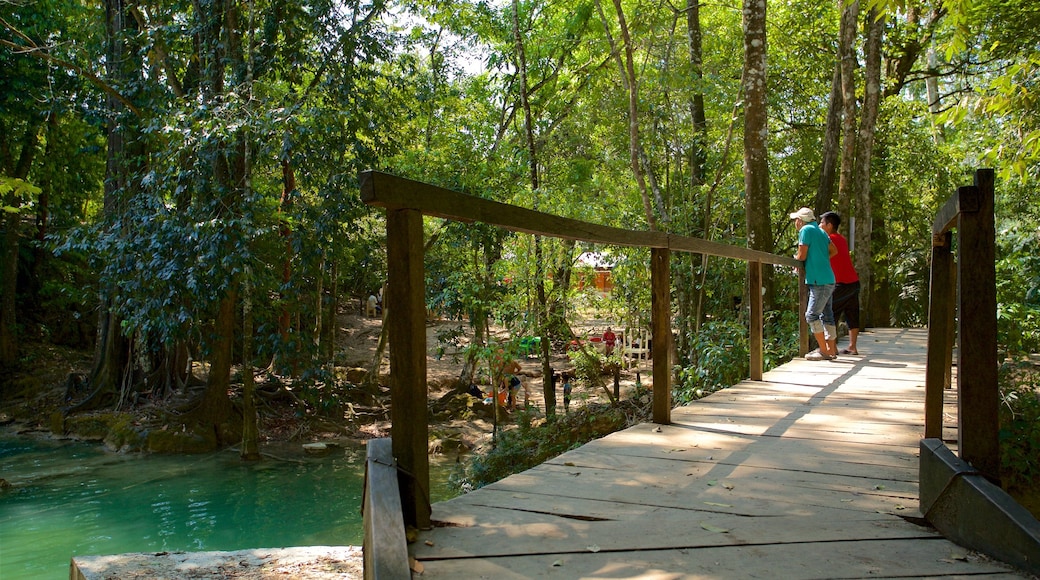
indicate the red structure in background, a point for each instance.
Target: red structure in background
{"x":601,"y":266}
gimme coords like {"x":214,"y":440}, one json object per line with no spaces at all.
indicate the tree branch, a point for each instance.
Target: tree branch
{"x":41,"y":52}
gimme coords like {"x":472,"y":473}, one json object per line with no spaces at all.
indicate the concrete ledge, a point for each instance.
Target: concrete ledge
{"x":970,"y":510}
{"x":311,"y":562}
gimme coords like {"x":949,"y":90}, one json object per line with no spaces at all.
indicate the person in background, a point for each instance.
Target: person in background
{"x":566,"y":392}
{"x":815,"y":249}
{"x":845,"y":299}
{"x":609,"y":339}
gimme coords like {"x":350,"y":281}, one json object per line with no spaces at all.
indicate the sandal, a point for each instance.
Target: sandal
{"x":851,"y":351}
{"x":817,"y":355}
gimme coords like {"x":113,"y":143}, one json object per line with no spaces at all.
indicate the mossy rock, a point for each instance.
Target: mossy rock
{"x":177,"y":441}
{"x":123,"y":435}
{"x":93,"y":427}
{"x":449,"y":444}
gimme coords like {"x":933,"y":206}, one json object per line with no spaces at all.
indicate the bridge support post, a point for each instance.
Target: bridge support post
{"x":977,"y":332}
{"x":406,"y":319}
{"x":755,"y":320}
{"x":940,"y":346}
{"x":661,"y":327}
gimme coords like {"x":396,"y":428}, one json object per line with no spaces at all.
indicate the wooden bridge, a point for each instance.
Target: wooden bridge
{"x":810,"y":473}
{"x":833,"y":469}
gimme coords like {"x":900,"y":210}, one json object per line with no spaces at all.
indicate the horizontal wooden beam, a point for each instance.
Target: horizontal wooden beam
{"x":392,"y":192}
{"x":965,"y":200}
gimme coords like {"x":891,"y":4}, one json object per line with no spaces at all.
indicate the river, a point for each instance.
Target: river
{"x":71,"y":498}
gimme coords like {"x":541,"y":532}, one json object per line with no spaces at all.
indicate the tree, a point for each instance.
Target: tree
{"x":756,"y":133}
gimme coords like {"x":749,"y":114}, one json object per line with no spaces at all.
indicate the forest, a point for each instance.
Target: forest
{"x":180,"y":179}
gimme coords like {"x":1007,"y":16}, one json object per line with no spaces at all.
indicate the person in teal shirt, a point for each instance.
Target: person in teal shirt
{"x":815,"y":250}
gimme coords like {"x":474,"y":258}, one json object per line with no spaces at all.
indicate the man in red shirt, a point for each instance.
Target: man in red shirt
{"x":846,"y":290}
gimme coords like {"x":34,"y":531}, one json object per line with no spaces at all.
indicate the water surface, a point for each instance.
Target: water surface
{"x":71,"y":498}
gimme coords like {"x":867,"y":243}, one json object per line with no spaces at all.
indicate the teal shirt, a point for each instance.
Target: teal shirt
{"x":818,"y":260}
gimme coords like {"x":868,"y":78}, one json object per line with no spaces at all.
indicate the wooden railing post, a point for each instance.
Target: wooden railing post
{"x":940,"y":305}
{"x":755,"y":320}
{"x":661,"y":327}
{"x":406,"y":319}
{"x":977,"y":331}
{"x":803,"y":305}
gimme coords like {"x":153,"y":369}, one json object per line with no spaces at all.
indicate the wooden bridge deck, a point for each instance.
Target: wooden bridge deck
{"x":811,"y":473}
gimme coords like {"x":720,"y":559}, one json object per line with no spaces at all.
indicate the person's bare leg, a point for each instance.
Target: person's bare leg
{"x":853,"y":335}
{"x":820,"y":340}
{"x":831,"y":336}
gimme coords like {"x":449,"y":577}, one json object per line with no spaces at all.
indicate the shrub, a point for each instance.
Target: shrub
{"x":1020,"y":432}
{"x":532,"y":442}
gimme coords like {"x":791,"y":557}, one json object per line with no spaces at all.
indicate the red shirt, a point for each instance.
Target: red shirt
{"x":841,"y":263}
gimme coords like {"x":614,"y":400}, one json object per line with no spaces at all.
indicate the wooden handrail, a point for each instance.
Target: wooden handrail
{"x":407,"y":201}
{"x":385,"y":549}
{"x":966,"y":286}
{"x":393,"y":192}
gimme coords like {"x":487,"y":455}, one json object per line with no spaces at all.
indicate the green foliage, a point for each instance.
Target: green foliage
{"x":17,"y":191}
{"x":1020,"y":427}
{"x":1018,"y":288}
{"x":780,"y":337}
{"x":534,"y":442}
{"x":720,"y":356}
{"x":720,"y":360}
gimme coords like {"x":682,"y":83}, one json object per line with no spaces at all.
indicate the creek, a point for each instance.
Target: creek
{"x":71,"y":498}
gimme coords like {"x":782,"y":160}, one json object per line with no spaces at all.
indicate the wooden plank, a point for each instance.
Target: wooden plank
{"x":406,"y":318}
{"x":852,"y":559}
{"x":977,"y":332}
{"x":385,"y":547}
{"x":532,"y":533}
{"x":392,"y":192}
{"x":661,"y":329}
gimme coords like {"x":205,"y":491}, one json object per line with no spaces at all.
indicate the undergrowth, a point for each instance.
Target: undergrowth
{"x":535,"y":441}
{"x":1020,"y":433}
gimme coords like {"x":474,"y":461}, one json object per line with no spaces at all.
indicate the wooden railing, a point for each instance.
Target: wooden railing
{"x":965,"y":286}
{"x":385,"y":548}
{"x":407,"y":201}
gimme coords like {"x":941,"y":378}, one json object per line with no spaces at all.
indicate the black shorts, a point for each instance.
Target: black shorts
{"x":846,"y":301}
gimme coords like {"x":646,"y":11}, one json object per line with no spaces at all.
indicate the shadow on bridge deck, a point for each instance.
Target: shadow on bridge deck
{"x":810,"y":473}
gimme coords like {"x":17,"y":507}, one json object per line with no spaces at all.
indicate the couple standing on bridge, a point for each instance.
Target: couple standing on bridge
{"x":832,"y":281}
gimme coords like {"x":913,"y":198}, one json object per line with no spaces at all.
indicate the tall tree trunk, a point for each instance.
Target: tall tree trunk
{"x":628,"y":76}
{"x":12,"y":234}
{"x":285,"y":231}
{"x":532,"y":160}
{"x":864,"y":152}
{"x":756,"y":134}
{"x":112,"y":351}
{"x":250,"y":449}
{"x":219,"y":44}
{"x":43,"y":208}
{"x":881,"y":298}
{"x":831,"y":143}
{"x":847,"y":54}
{"x":698,"y":148}
{"x":331,"y":307}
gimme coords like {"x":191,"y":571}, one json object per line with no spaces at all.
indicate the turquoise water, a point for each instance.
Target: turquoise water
{"x":70,"y":498}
